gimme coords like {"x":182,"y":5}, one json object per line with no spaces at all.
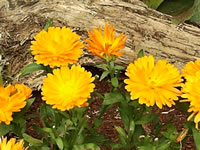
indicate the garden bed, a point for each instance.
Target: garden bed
{"x":111,"y":117}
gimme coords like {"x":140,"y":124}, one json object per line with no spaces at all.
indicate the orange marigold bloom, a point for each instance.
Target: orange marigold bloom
{"x":12,"y":99}
{"x":68,"y":88}
{"x":191,"y":91}
{"x":107,"y":44}
{"x":57,"y":47}
{"x":153,"y":83}
{"x":11,"y":144}
{"x":191,"y":68}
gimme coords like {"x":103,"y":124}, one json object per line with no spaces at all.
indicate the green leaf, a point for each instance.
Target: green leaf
{"x":77,"y":137}
{"x":93,"y":136}
{"x":47,"y":114}
{"x":31,"y":68}
{"x":43,"y":111}
{"x":144,"y":119}
{"x":140,"y":53}
{"x":122,"y":135}
{"x":4,"y":129}
{"x":64,"y":114}
{"x":175,"y":7}
{"x":134,"y":103}
{"x":20,"y":121}
{"x":171,"y":133}
{"x":164,"y":145}
{"x":183,"y":17}
{"x":147,"y":146}
{"x":32,"y":140}
{"x":188,"y":125}
{"x":104,"y":74}
{"x":182,"y":10}
{"x":50,"y":132}
{"x":48,"y":24}
{"x":115,"y":82}
{"x":19,"y":129}
{"x":131,"y":128}
{"x":112,"y":64}
{"x":111,"y":98}
{"x":118,"y":67}
{"x":182,"y":106}
{"x":196,"y":135}
{"x":126,"y":114}
{"x":196,"y":13}
{"x":1,"y":81}
{"x":99,"y":95}
{"x":97,"y":122}
{"x":116,"y":146}
{"x":128,"y":96}
{"x":30,"y":116}
{"x":139,"y":130}
{"x":28,"y":105}
{"x":45,"y":148}
{"x":89,"y":146}
{"x":38,"y":129}
{"x":153,"y":3}
{"x":59,"y":143}
{"x":102,"y":66}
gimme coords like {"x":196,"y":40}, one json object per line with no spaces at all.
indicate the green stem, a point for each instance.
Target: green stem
{"x":81,"y":121}
{"x":46,"y":135}
{"x":110,"y":68}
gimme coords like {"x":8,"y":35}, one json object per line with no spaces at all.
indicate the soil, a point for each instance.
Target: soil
{"x":111,"y":116}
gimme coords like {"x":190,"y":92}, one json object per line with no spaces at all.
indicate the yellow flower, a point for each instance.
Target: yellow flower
{"x":12,"y":99}
{"x":191,"y":91}
{"x":57,"y":47}
{"x":153,"y":83}
{"x":11,"y":144}
{"x":105,"y":45}
{"x":191,"y":68}
{"x":68,"y":88}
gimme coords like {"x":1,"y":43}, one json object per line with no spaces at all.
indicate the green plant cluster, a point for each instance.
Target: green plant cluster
{"x":181,"y":10}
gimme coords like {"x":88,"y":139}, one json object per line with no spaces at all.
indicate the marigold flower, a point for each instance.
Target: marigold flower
{"x":191,"y":68}
{"x":57,"y":47}
{"x":68,"y":88}
{"x":12,"y":99}
{"x":153,"y":83}
{"x":105,"y":45}
{"x":191,"y":91}
{"x":11,"y":144}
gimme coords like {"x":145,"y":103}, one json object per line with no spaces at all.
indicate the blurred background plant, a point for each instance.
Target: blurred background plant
{"x":181,"y":10}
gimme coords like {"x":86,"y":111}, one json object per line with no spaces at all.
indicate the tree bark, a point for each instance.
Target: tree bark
{"x":147,"y":29}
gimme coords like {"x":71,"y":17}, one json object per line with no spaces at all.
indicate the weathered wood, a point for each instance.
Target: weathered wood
{"x":147,"y":29}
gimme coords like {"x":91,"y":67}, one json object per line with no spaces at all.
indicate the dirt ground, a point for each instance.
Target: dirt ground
{"x":111,"y":117}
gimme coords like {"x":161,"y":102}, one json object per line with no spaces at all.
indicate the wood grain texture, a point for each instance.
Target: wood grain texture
{"x":147,"y":29}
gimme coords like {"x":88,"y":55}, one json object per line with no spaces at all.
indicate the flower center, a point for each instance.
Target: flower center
{"x":152,"y":83}
{"x":107,"y":46}
{"x":68,"y":90}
